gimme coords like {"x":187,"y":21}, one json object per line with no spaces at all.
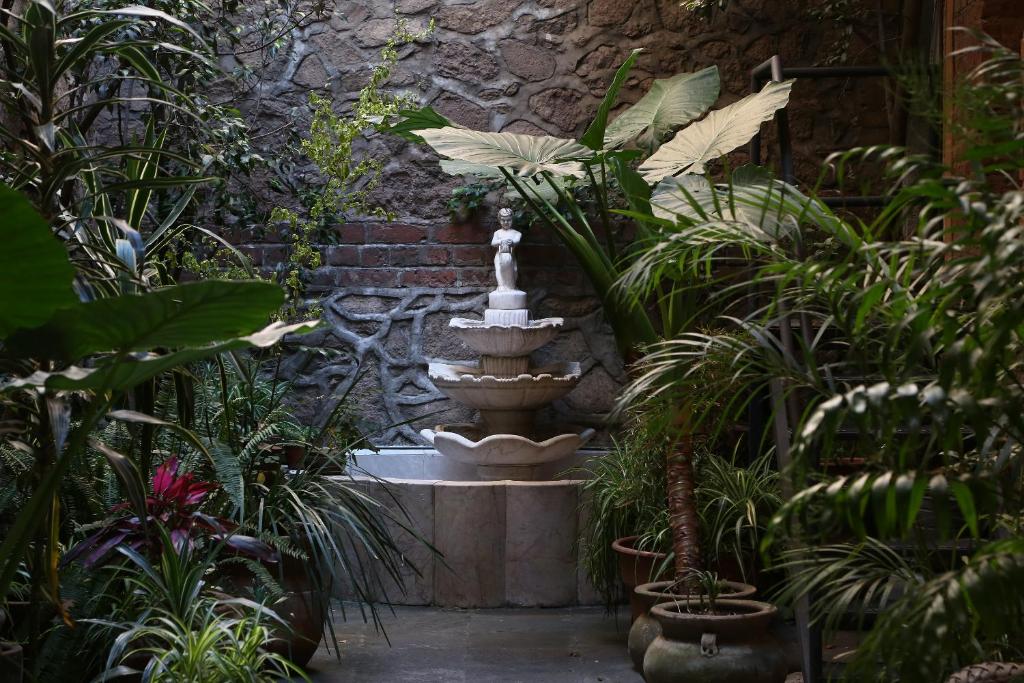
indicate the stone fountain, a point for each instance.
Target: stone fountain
{"x":504,"y":386}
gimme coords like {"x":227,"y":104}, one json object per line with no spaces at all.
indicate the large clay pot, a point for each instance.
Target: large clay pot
{"x":637,"y":567}
{"x":303,"y":607}
{"x":731,"y":646}
{"x":305,"y":613}
{"x":646,"y":628}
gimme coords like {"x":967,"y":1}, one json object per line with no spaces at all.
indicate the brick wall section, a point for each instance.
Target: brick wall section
{"x":533,"y":66}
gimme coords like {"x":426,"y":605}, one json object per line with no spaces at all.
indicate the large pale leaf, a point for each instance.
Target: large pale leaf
{"x":524,"y":155}
{"x":764,"y":208}
{"x":668,"y":105}
{"x":452,"y":167}
{"x":192,"y":314}
{"x":720,"y":132}
{"x":35,"y":274}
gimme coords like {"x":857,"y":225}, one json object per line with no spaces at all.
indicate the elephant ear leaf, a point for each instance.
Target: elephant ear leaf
{"x":35,"y":273}
{"x":524,"y":155}
{"x":764,"y":208}
{"x":720,"y":132}
{"x":670,"y":104}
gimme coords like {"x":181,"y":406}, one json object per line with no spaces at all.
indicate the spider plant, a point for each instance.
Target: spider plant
{"x":735,"y":506}
{"x":624,"y":495}
{"x":184,"y":633}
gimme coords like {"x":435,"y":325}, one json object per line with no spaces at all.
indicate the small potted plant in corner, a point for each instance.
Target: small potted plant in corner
{"x":466,"y":200}
{"x":624,"y":541}
{"x":708,"y":637}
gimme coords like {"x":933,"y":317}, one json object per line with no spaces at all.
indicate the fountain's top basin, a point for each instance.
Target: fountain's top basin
{"x":506,"y":341}
{"x":468,"y":385}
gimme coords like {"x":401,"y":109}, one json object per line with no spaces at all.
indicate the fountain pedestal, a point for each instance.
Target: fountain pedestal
{"x":508,"y":392}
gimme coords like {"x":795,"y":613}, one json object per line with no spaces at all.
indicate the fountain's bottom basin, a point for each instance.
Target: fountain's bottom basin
{"x":507,"y":456}
{"x":500,"y":543}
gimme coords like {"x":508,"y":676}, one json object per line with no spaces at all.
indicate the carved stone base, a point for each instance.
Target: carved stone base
{"x":519,"y":317}
{"x":506,"y":299}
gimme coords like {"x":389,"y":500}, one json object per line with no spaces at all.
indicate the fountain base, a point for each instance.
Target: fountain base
{"x":500,"y":457}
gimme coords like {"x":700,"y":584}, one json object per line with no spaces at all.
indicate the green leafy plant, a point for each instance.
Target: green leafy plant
{"x":623,"y":495}
{"x":65,"y":375}
{"x":183,"y":633}
{"x":318,"y":514}
{"x":466,"y":199}
{"x":735,"y":506}
{"x":905,"y":353}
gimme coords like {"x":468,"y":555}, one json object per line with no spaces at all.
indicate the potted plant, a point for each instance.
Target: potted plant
{"x":726,"y":641}
{"x":646,"y":628}
{"x":623,"y":501}
{"x":317,"y":517}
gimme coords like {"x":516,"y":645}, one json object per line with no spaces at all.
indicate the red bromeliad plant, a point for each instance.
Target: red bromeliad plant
{"x":174,"y":504}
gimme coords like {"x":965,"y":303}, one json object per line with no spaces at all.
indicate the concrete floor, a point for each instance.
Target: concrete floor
{"x":431,"y":645}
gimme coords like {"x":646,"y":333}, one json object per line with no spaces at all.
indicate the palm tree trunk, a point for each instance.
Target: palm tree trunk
{"x":682,"y":506}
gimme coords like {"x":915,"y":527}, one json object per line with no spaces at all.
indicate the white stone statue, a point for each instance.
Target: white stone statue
{"x":505,"y":239}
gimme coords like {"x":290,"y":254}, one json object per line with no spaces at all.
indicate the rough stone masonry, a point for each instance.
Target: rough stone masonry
{"x":530,"y":66}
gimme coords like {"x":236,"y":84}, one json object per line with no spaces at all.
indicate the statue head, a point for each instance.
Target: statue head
{"x":505,"y":218}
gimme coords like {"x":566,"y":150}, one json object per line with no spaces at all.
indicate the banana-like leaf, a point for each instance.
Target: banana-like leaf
{"x":35,"y":274}
{"x":668,"y":105}
{"x":765,"y":208}
{"x":720,"y":132}
{"x":191,"y":314}
{"x":524,"y":155}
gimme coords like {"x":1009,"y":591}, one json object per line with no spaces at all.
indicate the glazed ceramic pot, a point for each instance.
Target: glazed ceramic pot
{"x":733,"y":645}
{"x":646,"y":628}
{"x":637,"y":567}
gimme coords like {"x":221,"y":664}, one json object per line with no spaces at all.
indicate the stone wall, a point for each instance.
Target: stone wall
{"x":533,"y":66}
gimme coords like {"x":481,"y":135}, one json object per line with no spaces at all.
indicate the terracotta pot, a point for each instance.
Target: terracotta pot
{"x":11,"y":662}
{"x":637,"y":567}
{"x":646,"y":628}
{"x":731,"y":646}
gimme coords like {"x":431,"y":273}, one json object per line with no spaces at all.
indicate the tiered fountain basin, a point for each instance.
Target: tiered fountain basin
{"x":501,"y":543}
{"x":507,"y":341}
{"x":507,"y":456}
{"x":469,"y":385}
